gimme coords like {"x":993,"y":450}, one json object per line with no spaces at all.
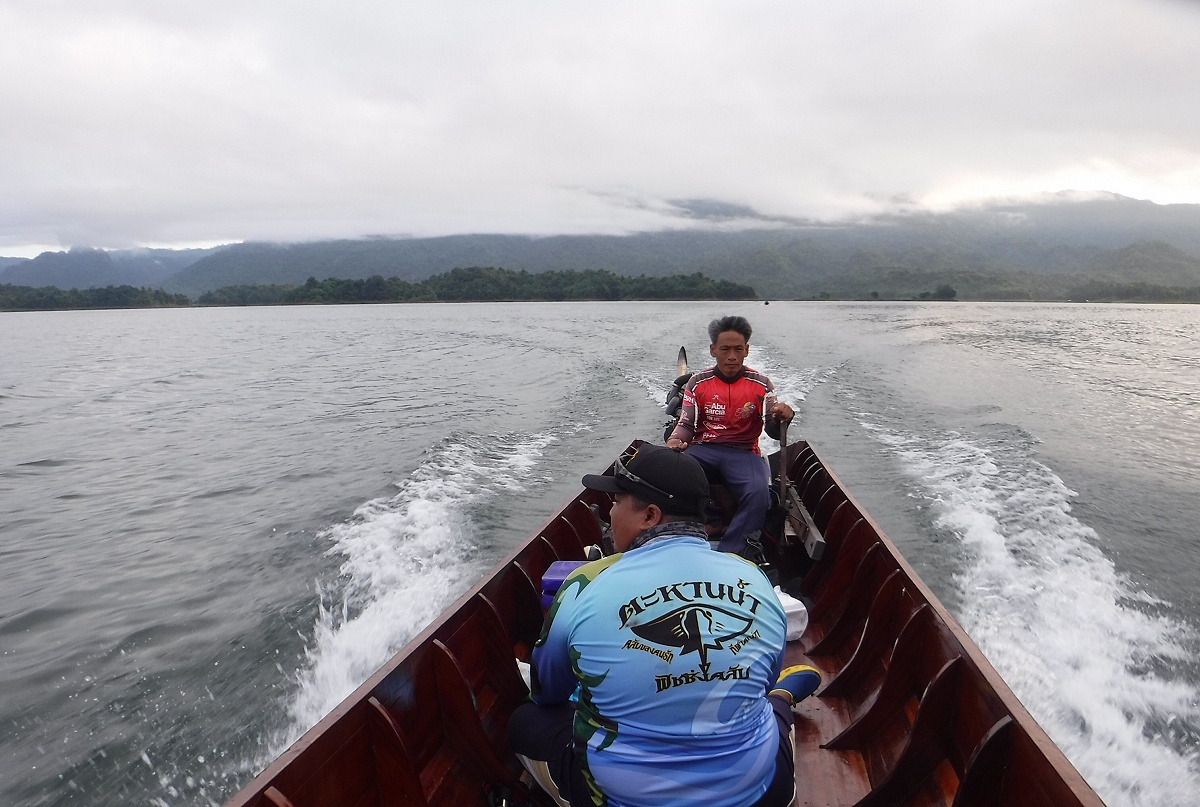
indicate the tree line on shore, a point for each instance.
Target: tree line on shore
{"x":50,"y":298}
{"x":474,"y":284}
{"x":482,"y":284}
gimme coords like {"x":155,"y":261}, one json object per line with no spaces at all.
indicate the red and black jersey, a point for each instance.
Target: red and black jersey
{"x":725,"y":412}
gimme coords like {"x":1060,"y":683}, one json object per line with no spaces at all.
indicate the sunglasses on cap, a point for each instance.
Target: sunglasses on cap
{"x":620,"y":468}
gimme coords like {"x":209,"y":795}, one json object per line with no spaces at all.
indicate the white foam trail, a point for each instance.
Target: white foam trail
{"x":1065,"y":630}
{"x":791,"y":387}
{"x":655,"y":385}
{"x":404,"y":560}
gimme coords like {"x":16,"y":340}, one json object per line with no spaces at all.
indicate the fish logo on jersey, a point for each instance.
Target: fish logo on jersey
{"x":695,"y":629}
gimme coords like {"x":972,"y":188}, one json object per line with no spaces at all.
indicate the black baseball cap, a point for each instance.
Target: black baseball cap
{"x":658,"y":475}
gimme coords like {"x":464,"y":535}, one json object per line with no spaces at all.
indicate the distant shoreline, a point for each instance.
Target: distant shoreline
{"x":495,"y":285}
{"x":194,"y":305}
{"x":475,"y":284}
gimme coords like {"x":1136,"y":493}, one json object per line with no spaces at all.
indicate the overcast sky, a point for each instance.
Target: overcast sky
{"x":127,"y":122}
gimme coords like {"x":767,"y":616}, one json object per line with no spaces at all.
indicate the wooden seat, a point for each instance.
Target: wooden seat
{"x":799,"y":455}
{"x":583,"y":522}
{"x":481,"y":651}
{"x":932,"y":766}
{"x":449,"y":748}
{"x":273,"y":797}
{"x":535,"y":559}
{"x":838,"y":523}
{"x":848,"y":609}
{"x":892,"y":608}
{"x":397,"y":775}
{"x":565,"y":538}
{"x":914,"y":662}
{"x":1026,"y":777}
{"x":518,"y":602}
{"x":816,"y":483}
{"x":338,"y":769}
{"x":842,"y":557}
{"x":988,"y":765}
{"x":830,"y":500}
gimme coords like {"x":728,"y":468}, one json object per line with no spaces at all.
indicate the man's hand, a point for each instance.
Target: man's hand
{"x":677,"y":444}
{"x":780,"y":411}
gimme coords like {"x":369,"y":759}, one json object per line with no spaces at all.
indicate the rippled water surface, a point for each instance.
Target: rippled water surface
{"x":215,"y":523}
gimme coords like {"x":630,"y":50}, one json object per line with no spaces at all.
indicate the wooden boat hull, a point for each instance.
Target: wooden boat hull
{"x":911,"y":712}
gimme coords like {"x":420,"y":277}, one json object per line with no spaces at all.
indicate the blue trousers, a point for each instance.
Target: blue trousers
{"x":746,"y":475}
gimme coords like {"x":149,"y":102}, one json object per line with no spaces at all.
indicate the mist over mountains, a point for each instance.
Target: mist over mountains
{"x":1059,"y":247}
{"x":81,"y":268}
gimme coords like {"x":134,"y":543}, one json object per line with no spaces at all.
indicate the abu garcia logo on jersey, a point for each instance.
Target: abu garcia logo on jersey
{"x":698,"y":625}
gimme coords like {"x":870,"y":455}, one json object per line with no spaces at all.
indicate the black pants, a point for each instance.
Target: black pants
{"x":545,"y":733}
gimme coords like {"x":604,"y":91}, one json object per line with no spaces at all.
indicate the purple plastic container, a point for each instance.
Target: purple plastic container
{"x":553,"y":579}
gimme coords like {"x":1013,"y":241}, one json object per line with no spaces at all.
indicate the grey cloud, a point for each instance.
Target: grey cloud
{"x":142,"y":122}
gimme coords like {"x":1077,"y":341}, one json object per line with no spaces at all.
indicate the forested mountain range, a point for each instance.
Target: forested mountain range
{"x":1064,"y":247}
{"x":95,"y":268}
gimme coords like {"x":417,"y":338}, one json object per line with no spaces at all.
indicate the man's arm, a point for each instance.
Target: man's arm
{"x":776,"y":412}
{"x":685,"y":428}
{"x":553,"y":676}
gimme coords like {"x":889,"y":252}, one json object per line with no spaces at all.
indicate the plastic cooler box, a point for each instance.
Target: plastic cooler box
{"x":553,"y":579}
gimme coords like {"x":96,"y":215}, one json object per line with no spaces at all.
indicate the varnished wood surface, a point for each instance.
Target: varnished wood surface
{"x":823,"y":778}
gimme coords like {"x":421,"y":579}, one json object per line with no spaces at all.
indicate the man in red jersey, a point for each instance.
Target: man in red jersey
{"x":724,"y":411}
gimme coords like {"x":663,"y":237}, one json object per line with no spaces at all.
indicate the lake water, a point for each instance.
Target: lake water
{"x":215,"y":523}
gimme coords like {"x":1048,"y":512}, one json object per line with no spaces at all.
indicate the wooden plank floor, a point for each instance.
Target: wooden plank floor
{"x":824,"y":778}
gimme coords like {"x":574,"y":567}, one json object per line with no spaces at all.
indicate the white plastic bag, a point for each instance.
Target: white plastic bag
{"x":797,"y":614}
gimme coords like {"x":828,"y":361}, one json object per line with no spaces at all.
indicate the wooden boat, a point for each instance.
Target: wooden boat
{"x":911,"y":713}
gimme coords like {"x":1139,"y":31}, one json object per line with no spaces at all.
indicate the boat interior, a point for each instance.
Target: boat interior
{"x":910,"y":712}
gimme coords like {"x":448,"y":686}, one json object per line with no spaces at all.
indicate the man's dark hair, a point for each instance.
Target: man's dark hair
{"x":730,"y":323}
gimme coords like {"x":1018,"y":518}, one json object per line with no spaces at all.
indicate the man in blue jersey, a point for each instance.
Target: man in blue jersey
{"x":656,"y":680}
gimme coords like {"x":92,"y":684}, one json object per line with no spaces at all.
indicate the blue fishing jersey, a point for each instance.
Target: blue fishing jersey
{"x":669,"y":650}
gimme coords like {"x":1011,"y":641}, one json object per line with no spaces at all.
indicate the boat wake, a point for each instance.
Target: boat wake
{"x":1087,"y":653}
{"x":404,"y":560}
{"x":792,"y":386}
